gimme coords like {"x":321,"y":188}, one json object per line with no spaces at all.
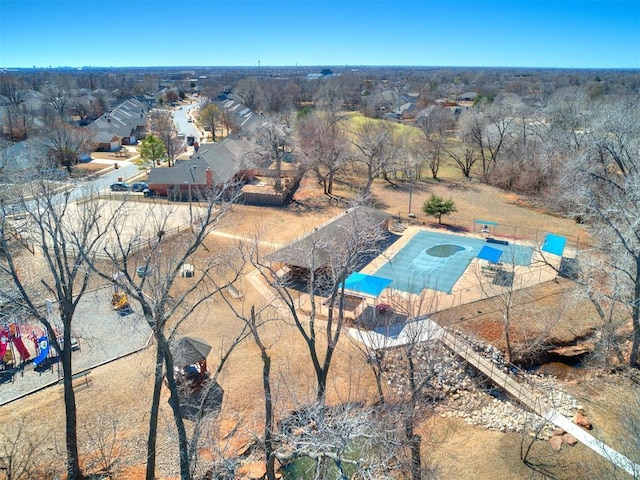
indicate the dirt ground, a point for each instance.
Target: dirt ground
{"x":121,"y":391}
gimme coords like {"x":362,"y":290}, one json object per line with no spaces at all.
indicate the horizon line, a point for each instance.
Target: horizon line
{"x":366,"y":66}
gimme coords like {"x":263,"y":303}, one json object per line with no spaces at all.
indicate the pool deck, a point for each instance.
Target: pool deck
{"x":474,"y":284}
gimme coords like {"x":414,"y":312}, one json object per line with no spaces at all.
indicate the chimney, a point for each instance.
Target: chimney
{"x":209,"y":174}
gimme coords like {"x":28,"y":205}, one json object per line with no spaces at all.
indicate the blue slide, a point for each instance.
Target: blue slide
{"x":43,"y":347}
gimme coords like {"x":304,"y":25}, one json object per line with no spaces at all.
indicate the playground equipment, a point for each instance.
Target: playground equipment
{"x":10,"y":338}
{"x":120,"y":301}
{"x":43,"y":351}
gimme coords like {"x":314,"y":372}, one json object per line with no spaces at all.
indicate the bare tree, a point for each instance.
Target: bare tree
{"x":20,"y":452}
{"x":161,"y":123}
{"x":58,"y":97}
{"x":101,"y":434}
{"x":570,"y":116}
{"x":65,"y":143}
{"x":210,"y":117}
{"x":275,"y":142}
{"x":280,"y":96}
{"x":227,"y":121}
{"x":16,"y":121}
{"x":56,"y":229}
{"x":376,"y":149}
{"x":326,"y":266}
{"x":328,"y":436}
{"x":255,"y":322}
{"x":417,"y":363}
{"x":603,"y":179}
{"x":249,"y":91}
{"x":149,"y":278}
{"x":465,"y":160}
{"x":324,"y":144}
{"x":434,"y":125}
{"x":497,"y":282}
{"x":487,"y":132}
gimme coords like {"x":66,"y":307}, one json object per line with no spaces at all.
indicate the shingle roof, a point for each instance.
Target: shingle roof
{"x":225,"y":158}
{"x":315,"y":249}
{"x":123,"y":120}
{"x":192,"y":172}
{"x":22,"y":155}
{"x":243,"y":117}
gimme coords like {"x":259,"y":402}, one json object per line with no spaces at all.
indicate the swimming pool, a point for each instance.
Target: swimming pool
{"x":437,"y":260}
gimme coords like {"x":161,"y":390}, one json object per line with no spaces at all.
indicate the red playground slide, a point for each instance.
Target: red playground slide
{"x":22,"y":350}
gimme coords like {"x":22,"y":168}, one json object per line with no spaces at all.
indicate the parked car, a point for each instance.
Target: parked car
{"x":120,"y":187}
{"x":139,"y":187}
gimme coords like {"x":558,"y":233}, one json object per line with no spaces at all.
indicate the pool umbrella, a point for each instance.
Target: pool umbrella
{"x":190,"y":350}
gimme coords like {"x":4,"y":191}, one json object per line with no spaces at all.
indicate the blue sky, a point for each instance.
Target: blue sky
{"x":501,"y":33}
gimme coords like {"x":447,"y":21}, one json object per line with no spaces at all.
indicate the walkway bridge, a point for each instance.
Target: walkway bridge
{"x":426,"y":330}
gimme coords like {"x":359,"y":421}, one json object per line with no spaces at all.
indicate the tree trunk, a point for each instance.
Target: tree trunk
{"x":278,"y":181}
{"x":174,"y":402}
{"x":153,"y":418}
{"x":268,"y":415}
{"x":330,"y":183}
{"x":376,"y":360}
{"x":635,"y":318}
{"x":268,"y":427}
{"x":507,"y":336}
{"x":413,"y":439}
{"x":270,"y":457}
{"x":73,"y":463}
{"x":321,"y":377}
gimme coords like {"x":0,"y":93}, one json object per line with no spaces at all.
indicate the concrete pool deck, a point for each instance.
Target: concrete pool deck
{"x":474,"y":283}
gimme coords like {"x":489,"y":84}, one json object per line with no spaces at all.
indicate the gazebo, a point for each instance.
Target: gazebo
{"x":199,"y":393}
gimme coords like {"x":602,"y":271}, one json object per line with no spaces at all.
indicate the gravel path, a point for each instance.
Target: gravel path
{"x":103,"y":335}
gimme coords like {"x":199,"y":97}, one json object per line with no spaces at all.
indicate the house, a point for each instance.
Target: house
{"x":466,"y":99}
{"x":383,"y":100}
{"x":22,"y":156}
{"x":211,"y":167}
{"x":121,"y":126}
{"x":244,"y":119}
{"x":403,"y":112}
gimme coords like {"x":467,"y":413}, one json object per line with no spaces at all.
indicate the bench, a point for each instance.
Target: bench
{"x":80,"y":381}
{"x":82,"y":378}
{"x":496,"y":241}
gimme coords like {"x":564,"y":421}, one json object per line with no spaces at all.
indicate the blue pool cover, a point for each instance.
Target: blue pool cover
{"x":491,"y":254}
{"x":367,"y":284}
{"x":554,"y":244}
{"x":415,"y":267}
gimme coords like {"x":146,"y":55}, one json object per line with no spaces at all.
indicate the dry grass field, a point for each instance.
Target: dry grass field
{"x":121,"y":390}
